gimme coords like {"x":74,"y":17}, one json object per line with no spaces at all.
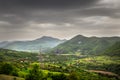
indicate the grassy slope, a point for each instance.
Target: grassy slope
{"x":114,"y":50}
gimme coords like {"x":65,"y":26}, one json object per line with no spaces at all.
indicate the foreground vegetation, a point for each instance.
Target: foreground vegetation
{"x":27,"y":66}
{"x":34,"y":72}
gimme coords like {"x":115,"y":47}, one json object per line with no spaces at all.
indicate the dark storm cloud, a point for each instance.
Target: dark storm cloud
{"x":19,"y":12}
{"x":44,"y":4}
{"x":27,"y":9}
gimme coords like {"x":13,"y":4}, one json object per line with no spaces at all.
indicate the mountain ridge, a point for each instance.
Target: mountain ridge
{"x":85,"y":45}
{"x":44,"y":42}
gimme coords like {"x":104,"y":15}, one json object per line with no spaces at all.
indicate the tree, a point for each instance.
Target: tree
{"x":35,"y":73}
{"x":73,"y":76}
{"x":6,"y":68}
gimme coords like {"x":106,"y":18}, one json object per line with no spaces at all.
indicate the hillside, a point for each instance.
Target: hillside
{"x":113,"y":50}
{"x":45,"y":43}
{"x":86,"y":45}
{"x":11,"y":55}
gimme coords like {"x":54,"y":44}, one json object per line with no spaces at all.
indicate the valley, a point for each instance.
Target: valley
{"x":59,"y":39}
{"x":100,"y":62}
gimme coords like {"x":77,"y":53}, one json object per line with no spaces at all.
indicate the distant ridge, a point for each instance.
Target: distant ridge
{"x":44,"y":42}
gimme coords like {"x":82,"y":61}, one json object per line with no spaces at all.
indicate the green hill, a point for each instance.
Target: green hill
{"x":85,"y":45}
{"x":114,"y":50}
{"x":11,"y":55}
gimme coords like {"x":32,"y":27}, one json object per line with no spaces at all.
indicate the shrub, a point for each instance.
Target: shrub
{"x":35,"y":73}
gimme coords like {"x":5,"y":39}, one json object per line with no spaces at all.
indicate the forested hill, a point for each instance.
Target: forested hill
{"x":44,"y":42}
{"x":114,"y":50}
{"x":86,"y":45}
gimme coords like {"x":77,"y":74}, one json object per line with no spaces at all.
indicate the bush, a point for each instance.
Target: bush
{"x":59,"y":77}
{"x":6,"y":68}
{"x":73,"y":76}
{"x":35,"y":73}
{"x":9,"y":69}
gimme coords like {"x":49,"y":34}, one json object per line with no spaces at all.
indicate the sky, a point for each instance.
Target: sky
{"x":31,"y":19}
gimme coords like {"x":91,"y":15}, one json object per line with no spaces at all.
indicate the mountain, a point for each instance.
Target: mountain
{"x":113,"y":50}
{"x":85,"y":45}
{"x":4,"y":43}
{"x":44,"y":43}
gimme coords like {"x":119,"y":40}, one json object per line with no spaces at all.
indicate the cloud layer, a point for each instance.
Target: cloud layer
{"x":30,"y":19}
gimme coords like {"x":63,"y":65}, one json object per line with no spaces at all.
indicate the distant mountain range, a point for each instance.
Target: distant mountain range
{"x":44,"y":43}
{"x":85,"y":45}
{"x":78,"y":44}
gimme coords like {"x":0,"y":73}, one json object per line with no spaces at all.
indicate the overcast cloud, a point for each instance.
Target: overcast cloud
{"x":31,"y":19}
